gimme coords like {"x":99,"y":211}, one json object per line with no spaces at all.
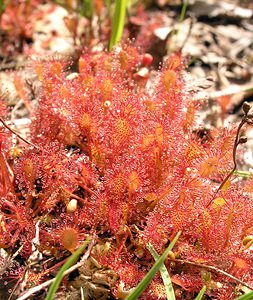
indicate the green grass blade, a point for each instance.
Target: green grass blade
{"x":72,"y":259}
{"x":118,"y":22}
{"x":248,"y":296}
{"x":165,"y":275}
{"x":201,"y":293}
{"x":149,"y":276}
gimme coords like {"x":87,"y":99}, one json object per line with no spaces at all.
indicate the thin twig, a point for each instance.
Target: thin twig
{"x":18,"y":135}
{"x":45,"y":284}
{"x":212,"y":268}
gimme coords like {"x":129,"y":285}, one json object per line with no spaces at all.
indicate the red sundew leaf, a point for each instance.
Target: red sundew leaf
{"x":69,"y":238}
{"x":225,"y":103}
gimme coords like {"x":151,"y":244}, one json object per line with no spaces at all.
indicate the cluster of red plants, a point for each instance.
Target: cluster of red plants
{"x":114,"y":154}
{"x":17,"y":24}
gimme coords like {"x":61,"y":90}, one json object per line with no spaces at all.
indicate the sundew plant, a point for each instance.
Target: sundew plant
{"x":117,"y":154}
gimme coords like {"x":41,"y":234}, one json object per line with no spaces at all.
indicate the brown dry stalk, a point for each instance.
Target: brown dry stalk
{"x":247,"y":119}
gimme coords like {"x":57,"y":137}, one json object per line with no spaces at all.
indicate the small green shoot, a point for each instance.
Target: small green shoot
{"x":108,"y":4}
{"x":250,"y":89}
{"x":183,"y":11}
{"x":86,"y":9}
{"x":245,"y":174}
{"x":201,"y":293}
{"x":248,"y":296}
{"x":3,"y":5}
{"x":174,"y":41}
{"x":150,"y":275}
{"x":164,"y":273}
{"x":118,"y":22}
{"x":72,"y":259}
